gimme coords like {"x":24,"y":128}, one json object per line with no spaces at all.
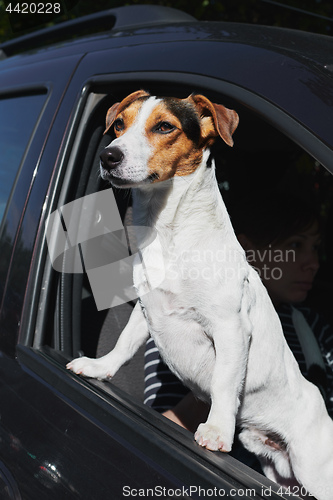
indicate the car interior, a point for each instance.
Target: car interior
{"x":262,"y":158}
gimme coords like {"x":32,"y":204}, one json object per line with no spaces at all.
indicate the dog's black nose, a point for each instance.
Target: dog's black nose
{"x":111,"y":157}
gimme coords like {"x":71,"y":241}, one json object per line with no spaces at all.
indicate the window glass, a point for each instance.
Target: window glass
{"x":18,"y":116}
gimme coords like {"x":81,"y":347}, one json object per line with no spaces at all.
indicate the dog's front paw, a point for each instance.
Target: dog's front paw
{"x":209,"y":436}
{"x":89,"y":367}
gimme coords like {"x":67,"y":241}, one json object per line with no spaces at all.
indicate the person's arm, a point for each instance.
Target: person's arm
{"x":189,"y":412}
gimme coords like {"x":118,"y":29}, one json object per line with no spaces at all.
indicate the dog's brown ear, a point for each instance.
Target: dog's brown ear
{"x":119,"y":106}
{"x":110,"y":116}
{"x":215,"y":119}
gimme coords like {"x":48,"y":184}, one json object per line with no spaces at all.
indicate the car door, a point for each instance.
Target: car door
{"x":84,"y":438}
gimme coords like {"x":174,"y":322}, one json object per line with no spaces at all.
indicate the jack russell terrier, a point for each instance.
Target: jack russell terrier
{"x":216,"y":327}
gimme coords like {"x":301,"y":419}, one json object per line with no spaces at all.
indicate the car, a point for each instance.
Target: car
{"x":62,"y":435}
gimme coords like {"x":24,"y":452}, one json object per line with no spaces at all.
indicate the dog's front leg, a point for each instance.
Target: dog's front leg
{"x":231,"y":352}
{"x":131,"y":338}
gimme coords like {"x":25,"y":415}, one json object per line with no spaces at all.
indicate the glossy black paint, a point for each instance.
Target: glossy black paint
{"x":61,"y":437}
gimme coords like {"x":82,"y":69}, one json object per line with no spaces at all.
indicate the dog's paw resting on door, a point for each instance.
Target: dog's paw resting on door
{"x":93,"y":368}
{"x":211,"y":437}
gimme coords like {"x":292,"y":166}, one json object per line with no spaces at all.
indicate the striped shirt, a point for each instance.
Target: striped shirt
{"x":163,"y":390}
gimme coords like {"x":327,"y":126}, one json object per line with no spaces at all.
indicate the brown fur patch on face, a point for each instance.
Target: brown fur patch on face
{"x":128,"y":116}
{"x":173,"y":153}
{"x":118,"y":107}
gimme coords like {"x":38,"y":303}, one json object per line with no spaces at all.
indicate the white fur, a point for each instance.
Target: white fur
{"x":136,"y":147}
{"x":215,"y":326}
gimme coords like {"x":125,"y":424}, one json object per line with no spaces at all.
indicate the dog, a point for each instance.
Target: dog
{"x":210,"y":317}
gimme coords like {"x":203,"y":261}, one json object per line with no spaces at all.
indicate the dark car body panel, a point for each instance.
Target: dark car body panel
{"x":61,"y":436}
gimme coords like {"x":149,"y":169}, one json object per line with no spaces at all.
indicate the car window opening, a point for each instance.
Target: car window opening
{"x":262,"y":161}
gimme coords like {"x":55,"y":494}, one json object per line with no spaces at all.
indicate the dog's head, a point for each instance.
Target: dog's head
{"x":158,"y":138}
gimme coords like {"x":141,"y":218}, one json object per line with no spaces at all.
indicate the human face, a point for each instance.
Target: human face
{"x":288,"y":269}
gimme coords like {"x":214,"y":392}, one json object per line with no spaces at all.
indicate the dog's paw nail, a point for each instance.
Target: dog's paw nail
{"x":200,"y":439}
{"x":209,"y":437}
{"x":221,"y":447}
{"x":202,"y":442}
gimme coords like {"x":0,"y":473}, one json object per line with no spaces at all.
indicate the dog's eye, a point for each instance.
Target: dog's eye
{"x":164,"y":127}
{"x":119,"y":125}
